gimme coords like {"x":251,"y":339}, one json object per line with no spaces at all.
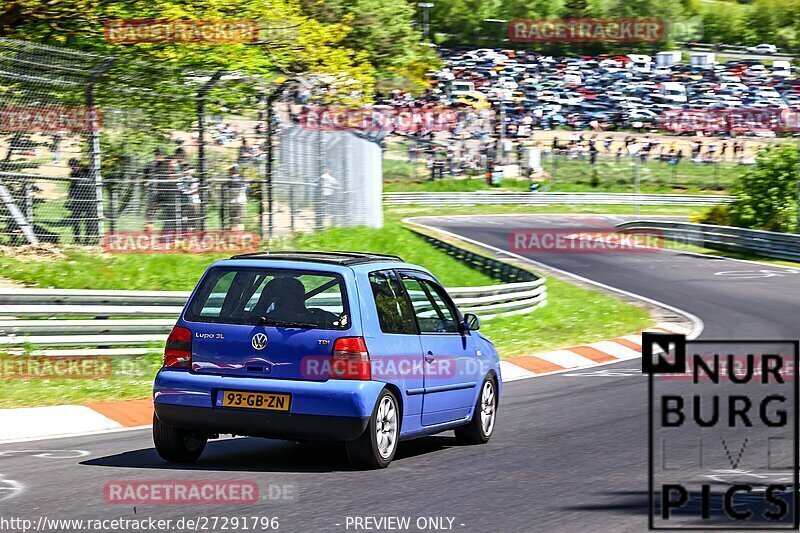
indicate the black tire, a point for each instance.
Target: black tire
{"x":177,"y":445}
{"x":475,"y":432}
{"x":365,"y":451}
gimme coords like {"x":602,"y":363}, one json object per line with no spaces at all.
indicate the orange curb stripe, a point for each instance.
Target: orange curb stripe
{"x":628,"y":344}
{"x":129,"y":413}
{"x":592,"y":353}
{"x":534,"y":364}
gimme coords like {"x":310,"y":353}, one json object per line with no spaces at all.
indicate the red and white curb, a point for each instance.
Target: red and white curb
{"x":58,"y":421}
{"x":578,"y":357}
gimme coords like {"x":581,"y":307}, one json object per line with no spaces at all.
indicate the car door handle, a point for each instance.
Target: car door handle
{"x":429,"y":357}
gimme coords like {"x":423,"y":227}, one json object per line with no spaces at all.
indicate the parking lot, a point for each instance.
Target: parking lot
{"x":632,"y":92}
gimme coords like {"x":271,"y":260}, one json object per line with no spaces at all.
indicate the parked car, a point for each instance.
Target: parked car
{"x":338,"y":346}
{"x":763,"y":49}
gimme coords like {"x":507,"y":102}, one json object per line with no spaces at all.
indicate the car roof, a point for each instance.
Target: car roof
{"x":327,"y":257}
{"x":375,"y":263}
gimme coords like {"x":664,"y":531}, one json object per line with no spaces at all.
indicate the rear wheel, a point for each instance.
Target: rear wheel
{"x":375,"y":448}
{"x":480,"y":428}
{"x":177,"y":445}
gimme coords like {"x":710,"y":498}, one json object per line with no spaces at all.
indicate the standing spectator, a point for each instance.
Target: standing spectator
{"x":592,"y":151}
{"x":237,"y":187}
{"x":738,"y":149}
{"x":170,"y":195}
{"x":55,"y":148}
{"x":82,"y":203}
{"x":156,"y":174}
{"x":245,"y":153}
{"x":712,"y":150}
{"x":189,"y":188}
{"x":327,"y":188}
{"x":627,"y":142}
{"x":697,"y":146}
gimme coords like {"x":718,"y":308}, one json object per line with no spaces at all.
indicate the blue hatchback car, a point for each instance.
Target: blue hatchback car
{"x":340,"y":346}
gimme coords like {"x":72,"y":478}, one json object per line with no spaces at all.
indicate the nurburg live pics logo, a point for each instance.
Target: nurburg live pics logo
{"x":722,"y":443}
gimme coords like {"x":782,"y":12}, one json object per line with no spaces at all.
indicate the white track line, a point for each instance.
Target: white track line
{"x":697,"y":323}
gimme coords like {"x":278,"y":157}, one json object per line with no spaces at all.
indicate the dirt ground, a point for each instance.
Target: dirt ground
{"x":682,"y":142}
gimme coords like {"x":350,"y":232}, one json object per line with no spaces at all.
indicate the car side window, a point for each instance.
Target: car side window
{"x":395,"y":313}
{"x":434,"y":313}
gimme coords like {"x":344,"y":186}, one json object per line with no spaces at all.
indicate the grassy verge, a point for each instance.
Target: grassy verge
{"x":573,"y":315}
{"x":130,"y":378}
{"x":82,"y":268}
{"x":578,"y":175}
{"x":513,"y":209}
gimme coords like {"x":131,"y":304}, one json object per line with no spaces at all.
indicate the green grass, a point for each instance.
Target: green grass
{"x":576,"y":175}
{"x":654,"y":176}
{"x":453,"y":185}
{"x":412,"y":210}
{"x":573,"y":316}
{"x":90,"y":269}
{"x":131,"y":378}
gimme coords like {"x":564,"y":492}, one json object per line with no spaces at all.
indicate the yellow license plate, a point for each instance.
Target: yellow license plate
{"x":256,"y":400}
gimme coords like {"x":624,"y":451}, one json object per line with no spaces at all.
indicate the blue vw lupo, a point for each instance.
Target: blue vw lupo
{"x":341,"y":346}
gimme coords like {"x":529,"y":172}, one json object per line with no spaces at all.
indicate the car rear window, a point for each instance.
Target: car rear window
{"x":272,"y":297}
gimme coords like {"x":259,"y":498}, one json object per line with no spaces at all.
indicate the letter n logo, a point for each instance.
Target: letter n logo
{"x":663,"y":353}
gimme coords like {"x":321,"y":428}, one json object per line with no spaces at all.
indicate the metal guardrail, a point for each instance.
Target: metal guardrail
{"x":725,"y":238}
{"x":534,"y":288}
{"x":136,"y":318}
{"x":545,"y":198}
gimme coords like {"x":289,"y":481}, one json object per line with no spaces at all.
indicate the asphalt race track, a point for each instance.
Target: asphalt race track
{"x":569,"y":452}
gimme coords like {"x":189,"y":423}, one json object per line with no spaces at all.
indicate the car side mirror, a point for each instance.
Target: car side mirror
{"x":471,"y":322}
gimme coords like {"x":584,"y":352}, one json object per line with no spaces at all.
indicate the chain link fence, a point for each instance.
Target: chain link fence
{"x":91,"y":145}
{"x":602,"y":164}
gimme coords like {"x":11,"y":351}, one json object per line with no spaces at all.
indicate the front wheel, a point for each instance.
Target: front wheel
{"x":480,"y":428}
{"x":375,"y":447}
{"x":177,"y":445}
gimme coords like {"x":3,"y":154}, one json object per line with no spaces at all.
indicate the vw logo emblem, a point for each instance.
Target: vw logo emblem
{"x":259,"y":341}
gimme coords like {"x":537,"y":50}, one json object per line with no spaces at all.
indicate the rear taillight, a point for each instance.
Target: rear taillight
{"x":178,"y":352}
{"x":350,"y":359}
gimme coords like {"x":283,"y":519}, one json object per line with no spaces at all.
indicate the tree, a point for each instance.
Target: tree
{"x":766,"y":197}
{"x":575,"y":9}
{"x":306,"y":45}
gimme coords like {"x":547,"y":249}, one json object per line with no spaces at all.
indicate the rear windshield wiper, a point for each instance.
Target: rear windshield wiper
{"x":267,"y":321}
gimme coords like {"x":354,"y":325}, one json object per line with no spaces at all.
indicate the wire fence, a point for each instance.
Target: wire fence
{"x":598,"y":165}
{"x":91,"y":145}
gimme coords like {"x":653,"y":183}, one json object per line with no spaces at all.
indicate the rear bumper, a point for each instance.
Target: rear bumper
{"x":270,"y":424}
{"x":330,"y":410}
